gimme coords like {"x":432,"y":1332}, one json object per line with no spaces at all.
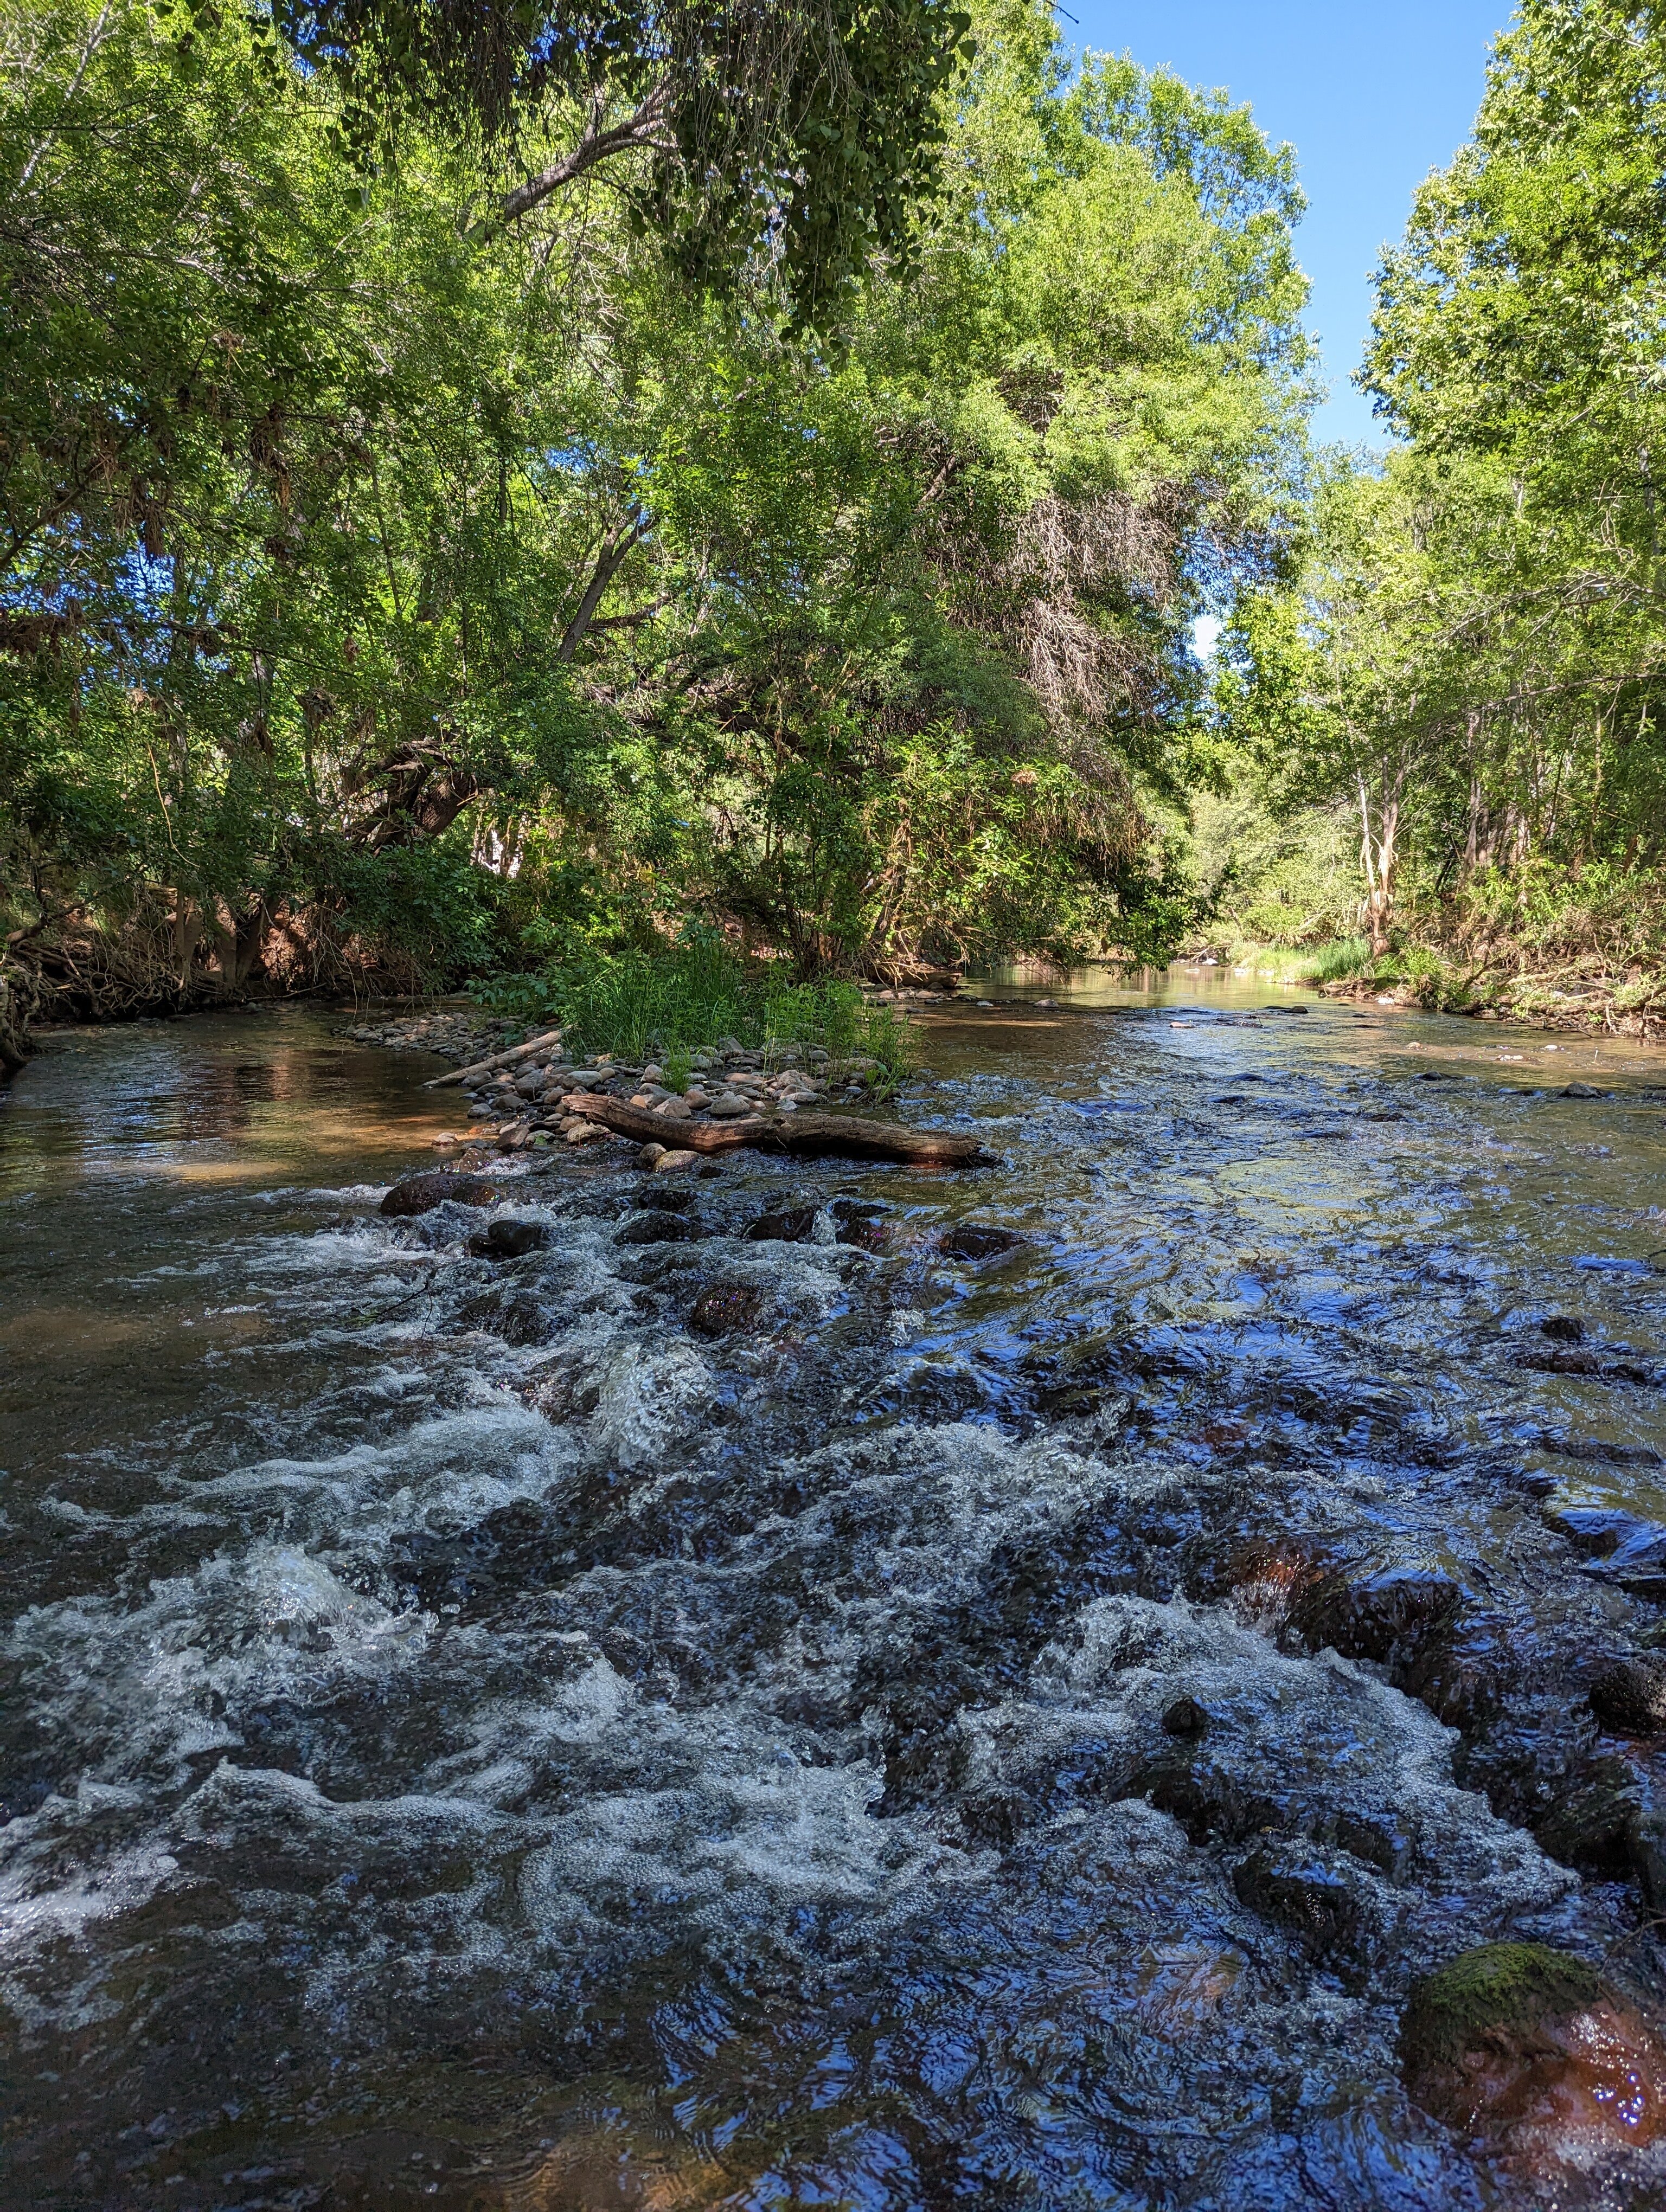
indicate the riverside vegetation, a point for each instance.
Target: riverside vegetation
{"x":475,"y":506}
{"x":1454,"y":712}
{"x":466,"y":509}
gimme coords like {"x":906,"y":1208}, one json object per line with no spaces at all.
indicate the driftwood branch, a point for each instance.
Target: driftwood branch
{"x":807,"y":1135}
{"x":498,"y":1059}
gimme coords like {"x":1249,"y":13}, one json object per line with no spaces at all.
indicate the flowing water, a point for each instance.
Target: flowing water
{"x":471,"y":1738}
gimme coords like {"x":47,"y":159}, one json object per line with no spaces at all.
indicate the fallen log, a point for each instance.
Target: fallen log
{"x":808,"y":1136}
{"x":498,"y":1059}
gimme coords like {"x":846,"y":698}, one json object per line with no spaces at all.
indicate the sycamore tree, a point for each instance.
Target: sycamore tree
{"x":921,"y":661}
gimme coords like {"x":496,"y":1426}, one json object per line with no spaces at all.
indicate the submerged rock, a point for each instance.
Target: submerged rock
{"x":659,"y":1227}
{"x":972,"y":1242}
{"x":1629,"y":1696}
{"x":1531,"y":2048}
{"x":1379,"y":1616}
{"x":1594,"y":1825}
{"x":1563,"y":1329}
{"x":1206,"y":1796}
{"x":421,"y":1194}
{"x":724,"y":1308}
{"x":794,"y":1224}
{"x":1185,"y":1716}
{"x":1301,"y":1888}
{"x":1463,"y":1673}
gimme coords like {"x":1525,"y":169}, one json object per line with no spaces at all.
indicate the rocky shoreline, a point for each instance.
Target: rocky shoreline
{"x":529,"y":1106}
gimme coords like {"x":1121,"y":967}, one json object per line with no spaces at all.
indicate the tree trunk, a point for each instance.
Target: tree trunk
{"x":1378,"y":858}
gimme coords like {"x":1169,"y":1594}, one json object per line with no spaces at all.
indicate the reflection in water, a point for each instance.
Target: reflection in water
{"x":1002,"y":1726}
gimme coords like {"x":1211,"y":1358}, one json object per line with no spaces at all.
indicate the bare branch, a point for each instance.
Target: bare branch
{"x":645,"y":128}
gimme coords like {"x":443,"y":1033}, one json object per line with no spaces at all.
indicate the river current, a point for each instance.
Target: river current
{"x":471,"y":1737}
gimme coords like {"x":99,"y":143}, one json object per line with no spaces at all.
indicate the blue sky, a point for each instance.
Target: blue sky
{"x":1372,"y":98}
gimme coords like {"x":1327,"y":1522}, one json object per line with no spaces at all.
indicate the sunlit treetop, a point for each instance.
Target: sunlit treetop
{"x":800,"y":134}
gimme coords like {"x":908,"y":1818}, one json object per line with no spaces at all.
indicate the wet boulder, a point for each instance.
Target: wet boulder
{"x":1464,"y":1673}
{"x":1629,"y":1696}
{"x":1185,"y":1717}
{"x":658,"y":1226}
{"x":794,"y":1224}
{"x":1201,"y":1792}
{"x":1563,"y":1329}
{"x":1308,"y":1892}
{"x":1376,"y":1835}
{"x":973,"y":1243}
{"x":1624,"y":1548}
{"x":860,"y":1222}
{"x":1532,"y":2049}
{"x":657,"y":1196}
{"x":1381,"y":1615}
{"x":1593,"y":1822}
{"x":509,"y":1240}
{"x":724,"y":1308}
{"x":1561,"y":1362}
{"x":515,"y":1314}
{"x":421,"y":1194}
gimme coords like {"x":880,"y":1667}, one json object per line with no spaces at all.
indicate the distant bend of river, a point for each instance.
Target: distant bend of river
{"x":471,"y":1738}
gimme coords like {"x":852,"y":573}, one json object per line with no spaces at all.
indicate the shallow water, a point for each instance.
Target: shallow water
{"x":468,"y":1739}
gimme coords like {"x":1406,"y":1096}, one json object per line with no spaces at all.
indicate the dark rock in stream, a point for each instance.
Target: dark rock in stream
{"x":1622,"y":1547}
{"x":660,"y":1198}
{"x":421,"y":1194}
{"x":1586,"y":1091}
{"x":1185,"y":1716}
{"x":1629,"y":1696}
{"x":515,"y":1314}
{"x":509,"y":1240}
{"x":1564,"y":1329}
{"x":657,"y":1227}
{"x":1464,"y":1674}
{"x":1533,"y":2050}
{"x":793,"y":1225}
{"x":1594,"y":1825}
{"x":1201,"y":1792}
{"x":1381,"y":1616}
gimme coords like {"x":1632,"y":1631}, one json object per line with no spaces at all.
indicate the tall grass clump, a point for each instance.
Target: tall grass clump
{"x":834,"y":1016}
{"x":1294,"y":963}
{"x":666,"y":1003}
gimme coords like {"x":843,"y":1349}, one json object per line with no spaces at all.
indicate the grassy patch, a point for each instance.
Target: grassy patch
{"x":1313,"y":963}
{"x":666,"y":1005}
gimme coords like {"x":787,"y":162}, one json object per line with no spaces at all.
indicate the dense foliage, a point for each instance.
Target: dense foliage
{"x":1476,"y":659}
{"x":388,"y":595}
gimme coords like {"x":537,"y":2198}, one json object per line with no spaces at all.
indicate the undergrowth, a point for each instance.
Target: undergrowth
{"x":697,"y":993}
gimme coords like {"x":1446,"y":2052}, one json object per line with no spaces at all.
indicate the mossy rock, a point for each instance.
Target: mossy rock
{"x":1498,"y":1995}
{"x":1531,"y":2049}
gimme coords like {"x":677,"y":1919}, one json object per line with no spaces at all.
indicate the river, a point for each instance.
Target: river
{"x":470,"y":1739}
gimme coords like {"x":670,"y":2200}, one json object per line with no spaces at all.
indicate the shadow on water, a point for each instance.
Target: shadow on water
{"x":477,"y":1733}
